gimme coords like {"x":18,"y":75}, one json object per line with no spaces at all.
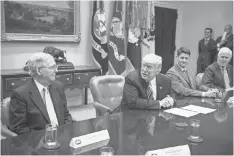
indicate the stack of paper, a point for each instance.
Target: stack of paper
{"x":181,"y":112}
{"x":198,"y":109}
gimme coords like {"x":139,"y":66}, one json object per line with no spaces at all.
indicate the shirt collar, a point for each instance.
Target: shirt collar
{"x":39,"y":85}
{"x":183,"y":69}
{"x":153,"y":81}
{"x":222,"y":67}
{"x":207,"y":39}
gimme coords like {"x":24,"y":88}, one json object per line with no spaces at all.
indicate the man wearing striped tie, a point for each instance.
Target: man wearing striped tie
{"x":41,"y":100}
{"x":219,"y":75}
{"x":147,"y":88}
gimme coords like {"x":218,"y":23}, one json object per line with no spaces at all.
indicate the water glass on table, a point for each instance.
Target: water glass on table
{"x":218,"y":96}
{"x":51,"y":137}
{"x":194,"y":131}
{"x":106,"y":151}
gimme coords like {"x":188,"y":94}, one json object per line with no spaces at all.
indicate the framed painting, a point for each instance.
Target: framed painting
{"x":49,"y":21}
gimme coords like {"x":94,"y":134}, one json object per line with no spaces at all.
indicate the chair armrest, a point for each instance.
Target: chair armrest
{"x":104,"y":110}
{"x":6,"y":132}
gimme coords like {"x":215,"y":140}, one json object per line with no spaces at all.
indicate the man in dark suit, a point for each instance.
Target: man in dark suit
{"x":41,"y":101}
{"x":183,"y":81}
{"x":226,"y":40}
{"x":219,"y":74}
{"x":147,"y":88}
{"x":207,"y":50}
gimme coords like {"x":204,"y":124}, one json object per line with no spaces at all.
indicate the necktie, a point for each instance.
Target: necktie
{"x":206,"y":41}
{"x":226,"y":78}
{"x":49,"y":106}
{"x":150,"y":92}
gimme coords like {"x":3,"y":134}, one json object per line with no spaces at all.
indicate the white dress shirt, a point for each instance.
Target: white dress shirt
{"x":49,"y":103}
{"x":154,"y":88}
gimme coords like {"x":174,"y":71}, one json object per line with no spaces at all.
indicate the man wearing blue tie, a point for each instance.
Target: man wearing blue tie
{"x":147,"y":88}
{"x":183,"y":82}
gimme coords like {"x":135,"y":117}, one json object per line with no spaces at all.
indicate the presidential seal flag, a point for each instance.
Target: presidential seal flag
{"x":99,"y":34}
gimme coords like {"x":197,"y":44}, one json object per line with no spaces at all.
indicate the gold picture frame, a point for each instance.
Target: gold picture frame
{"x":27,"y":21}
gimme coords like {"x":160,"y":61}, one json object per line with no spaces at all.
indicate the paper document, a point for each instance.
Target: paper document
{"x":181,"y":112}
{"x":198,"y":109}
{"x":171,"y":151}
{"x":232,"y":88}
{"x":2,"y":137}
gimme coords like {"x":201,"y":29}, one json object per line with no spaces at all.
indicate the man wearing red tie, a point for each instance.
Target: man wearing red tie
{"x":207,"y":50}
{"x":226,"y":40}
{"x":219,"y":75}
{"x":147,"y":88}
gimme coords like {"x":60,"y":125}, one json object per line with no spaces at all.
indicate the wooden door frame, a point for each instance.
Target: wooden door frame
{"x":179,"y":8}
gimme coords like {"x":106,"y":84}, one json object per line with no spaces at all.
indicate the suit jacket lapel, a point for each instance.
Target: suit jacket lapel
{"x":159,"y":87}
{"x":185,"y":76}
{"x":37,"y":99}
{"x":144,"y":83}
{"x":55,"y":97}
{"x":229,"y":72}
{"x":192,"y":85}
{"x":218,"y":69}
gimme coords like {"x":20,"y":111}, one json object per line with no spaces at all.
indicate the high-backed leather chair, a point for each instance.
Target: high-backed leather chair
{"x":199,"y":79}
{"x":107,"y":91}
{"x":5,"y":118}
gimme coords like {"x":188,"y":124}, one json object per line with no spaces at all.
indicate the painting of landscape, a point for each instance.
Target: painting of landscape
{"x":39,"y":17}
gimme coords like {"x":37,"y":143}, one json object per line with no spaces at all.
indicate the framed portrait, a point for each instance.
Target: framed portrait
{"x":49,"y":21}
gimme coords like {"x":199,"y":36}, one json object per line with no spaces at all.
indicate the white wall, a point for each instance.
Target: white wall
{"x":197,"y":15}
{"x":15,"y":54}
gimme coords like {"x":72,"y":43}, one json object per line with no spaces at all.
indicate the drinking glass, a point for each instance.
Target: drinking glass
{"x":194,"y":131}
{"x":106,"y":151}
{"x":51,"y":137}
{"x":218,"y":96}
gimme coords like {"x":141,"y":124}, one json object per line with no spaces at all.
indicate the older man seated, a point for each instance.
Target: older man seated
{"x":147,"y":88}
{"x":219,"y":75}
{"x":40,"y":101}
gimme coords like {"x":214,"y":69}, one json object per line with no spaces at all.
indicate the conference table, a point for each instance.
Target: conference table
{"x":134,"y":132}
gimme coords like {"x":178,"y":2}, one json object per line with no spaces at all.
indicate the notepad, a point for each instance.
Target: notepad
{"x":199,"y":109}
{"x":181,"y":112}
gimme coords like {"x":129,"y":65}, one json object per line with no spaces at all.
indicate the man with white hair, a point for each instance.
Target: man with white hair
{"x":219,"y":75}
{"x":40,"y":101}
{"x":147,"y":88}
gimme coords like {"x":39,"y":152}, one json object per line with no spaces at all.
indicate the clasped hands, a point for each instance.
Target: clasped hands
{"x":167,"y":102}
{"x":211,"y":93}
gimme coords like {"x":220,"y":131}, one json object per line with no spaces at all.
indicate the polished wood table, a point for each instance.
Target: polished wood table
{"x":134,"y":132}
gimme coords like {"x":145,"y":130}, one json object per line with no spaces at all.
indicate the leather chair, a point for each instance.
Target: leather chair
{"x":5,"y":118}
{"x":199,"y":79}
{"x":107,"y":92}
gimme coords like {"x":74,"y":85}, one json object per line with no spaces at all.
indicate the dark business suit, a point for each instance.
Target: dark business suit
{"x":213,"y":77}
{"x":135,"y":91}
{"x":28,"y":111}
{"x":182,"y":83}
{"x":228,"y":43}
{"x":206,"y":54}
